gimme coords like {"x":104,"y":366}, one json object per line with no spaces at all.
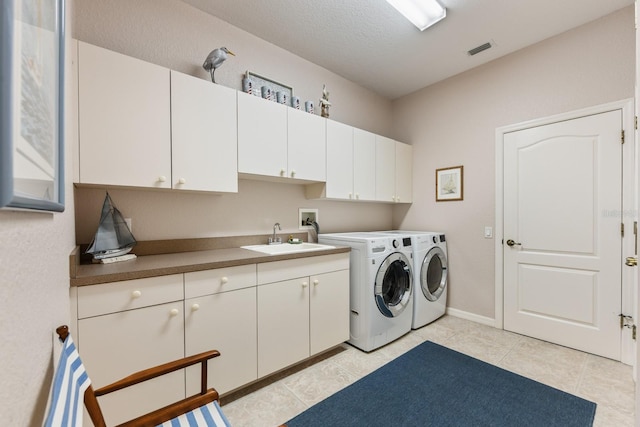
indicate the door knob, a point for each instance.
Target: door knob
{"x":510,"y":242}
{"x":631,"y":261}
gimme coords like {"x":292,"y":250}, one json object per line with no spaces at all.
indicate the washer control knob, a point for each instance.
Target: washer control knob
{"x":395,"y":243}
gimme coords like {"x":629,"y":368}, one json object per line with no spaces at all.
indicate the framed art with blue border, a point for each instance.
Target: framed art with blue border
{"x":32,"y":38}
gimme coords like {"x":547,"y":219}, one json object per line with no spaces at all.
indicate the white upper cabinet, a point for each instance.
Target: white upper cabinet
{"x":203,"y":135}
{"x":364,"y":165}
{"x":394,"y":172}
{"x":306,"y":141}
{"x":339,"y":161}
{"x":404,"y":173}
{"x":277,"y":141}
{"x":262,"y":136}
{"x":385,"y":169}
{"x":351,"y":164}
{"x":124,"y":120}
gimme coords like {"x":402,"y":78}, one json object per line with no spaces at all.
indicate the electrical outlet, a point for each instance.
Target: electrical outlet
{"x":488,"y":232}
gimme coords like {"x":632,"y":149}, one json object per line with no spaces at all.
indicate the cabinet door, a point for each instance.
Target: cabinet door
{"x":283,"y":324}
{"x":124,"y":120}
{"x":404,"y":173}
{"x":203,"y":135}
{"x":328,"y":310}
{"x":225,"y":322}
{"x":385,"y":169}
{"x":306,"y":146}
{"x":116,"y":345}
{"x":262,"y":136}
{"x":339,"y":161}
{"x":364,"y":165}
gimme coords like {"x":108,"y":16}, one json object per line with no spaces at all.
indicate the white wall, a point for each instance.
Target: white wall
{"x":453,"y":123}
{"x":178,"y":36}
{"x":34,"y":299}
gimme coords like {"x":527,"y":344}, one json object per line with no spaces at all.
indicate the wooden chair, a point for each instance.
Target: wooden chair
{"x":206,"y":398}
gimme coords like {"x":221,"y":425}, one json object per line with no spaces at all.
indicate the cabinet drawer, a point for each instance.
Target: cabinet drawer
{"x":277,"y":271}
{"x":207,"y":282}
{"x":107,"y":298}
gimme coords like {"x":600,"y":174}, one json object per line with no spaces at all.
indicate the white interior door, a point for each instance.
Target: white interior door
{"x":562,"y":237}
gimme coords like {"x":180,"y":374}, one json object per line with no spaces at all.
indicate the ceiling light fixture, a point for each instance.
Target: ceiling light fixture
{"x":422,"y":13}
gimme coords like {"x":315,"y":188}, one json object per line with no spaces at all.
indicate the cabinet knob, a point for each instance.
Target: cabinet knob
{"x":305,"y":284}
{"x":174,"y":312}
{"x":393,"y":199}
{"x":194,"y":307}
{"x":316,"y":282}
{"x":293,"y":173}
{"x":224,"y":280}
{"x":282,"y":172}
{"x":182,"y":181}
{"x":350,"y":196}
{"x":357,"y":196}
{"x":136,"y":294}
{"x":162,"y":178}
{"x":397,"y":198}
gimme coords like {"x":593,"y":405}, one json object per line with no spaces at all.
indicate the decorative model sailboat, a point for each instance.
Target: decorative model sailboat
{"x":113,"y":238}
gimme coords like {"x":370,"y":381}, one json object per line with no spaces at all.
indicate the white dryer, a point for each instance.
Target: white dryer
{"x":381,"y":286}
{"x":430,"y":268}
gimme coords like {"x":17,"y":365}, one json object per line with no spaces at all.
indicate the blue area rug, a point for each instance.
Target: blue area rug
{"x":432,"y":385}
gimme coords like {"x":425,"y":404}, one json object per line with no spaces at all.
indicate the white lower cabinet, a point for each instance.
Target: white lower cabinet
{"x":262,"y":318}
{"x":301,"y":316}
{"x":283,"y":324}
{"x":225,"y":321}
{"x":119,"y":343}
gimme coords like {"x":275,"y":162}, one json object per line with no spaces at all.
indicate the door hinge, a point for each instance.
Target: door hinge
{"x":622,"y":136}
{"x":626,"y":321}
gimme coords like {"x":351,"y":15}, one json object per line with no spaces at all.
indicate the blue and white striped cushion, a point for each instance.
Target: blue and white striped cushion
{"x":69,"y":385}
{"x":209,"y":415}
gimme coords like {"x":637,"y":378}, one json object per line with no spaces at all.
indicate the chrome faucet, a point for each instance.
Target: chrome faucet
{"x":274,"y":240}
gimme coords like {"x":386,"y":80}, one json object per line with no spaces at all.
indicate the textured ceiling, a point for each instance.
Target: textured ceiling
{"x":368,"y":42}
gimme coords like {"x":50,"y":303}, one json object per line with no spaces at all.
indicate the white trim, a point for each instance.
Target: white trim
{"x":471,"y":316}
{"x":628,"y":125}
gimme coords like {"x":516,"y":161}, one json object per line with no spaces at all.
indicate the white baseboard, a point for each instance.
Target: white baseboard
{"x":471,"y":316}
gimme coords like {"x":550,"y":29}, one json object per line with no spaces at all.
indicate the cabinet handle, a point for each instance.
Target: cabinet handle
{"x":357,"y":196}
{"x":293,"y":174}
{"x":398,"y":199}
{"x":162,"y":178}
{"x":316,"y":282}
{"x":224,"y":280}
{"x":194,"y":307}
{"x":305,"y":284}
{"x":182,"y":181}
{"x":174,"y":312}
{"x":350,"y":196}
{"x":282,"y":172}
{"x":136,"y":294}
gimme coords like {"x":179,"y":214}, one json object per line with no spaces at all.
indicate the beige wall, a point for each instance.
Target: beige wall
{"x":178,"y":36}
{"x":453,"y":123}
{"x":34,"y":299}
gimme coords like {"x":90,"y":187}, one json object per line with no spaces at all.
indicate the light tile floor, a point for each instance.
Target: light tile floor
{"x":608,"y":383}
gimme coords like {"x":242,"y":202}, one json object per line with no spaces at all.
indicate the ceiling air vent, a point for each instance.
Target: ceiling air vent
{"x":479,"y":49}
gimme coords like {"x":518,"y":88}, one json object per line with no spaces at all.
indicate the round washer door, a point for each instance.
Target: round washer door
{"x":393,"y":285}
{"x":433,"y":274}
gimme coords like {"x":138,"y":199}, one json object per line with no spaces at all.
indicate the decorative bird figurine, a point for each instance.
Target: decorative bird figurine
{"x":215,"y":59}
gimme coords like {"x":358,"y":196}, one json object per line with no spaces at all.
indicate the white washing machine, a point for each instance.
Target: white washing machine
{"x":430,"y":269}
{"x":381,"y":286}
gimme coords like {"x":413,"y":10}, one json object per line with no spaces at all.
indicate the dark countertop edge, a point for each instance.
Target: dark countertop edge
{"x":167,"y":264}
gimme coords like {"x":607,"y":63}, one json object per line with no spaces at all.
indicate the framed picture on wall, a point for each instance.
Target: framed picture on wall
{"x":449,"y":184}
{"x":32,"y":38}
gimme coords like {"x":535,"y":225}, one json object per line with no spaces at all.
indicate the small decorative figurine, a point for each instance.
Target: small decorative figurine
{"x":308,"y":107}
{"x":247,"y":85}
{"x":215,"y":59}
{"x":324,"y":102}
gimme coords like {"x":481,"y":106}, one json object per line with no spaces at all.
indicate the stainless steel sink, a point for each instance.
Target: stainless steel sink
{"x":287,"y":248}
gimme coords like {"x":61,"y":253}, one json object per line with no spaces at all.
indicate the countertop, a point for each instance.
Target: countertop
{"x":174,"y":263}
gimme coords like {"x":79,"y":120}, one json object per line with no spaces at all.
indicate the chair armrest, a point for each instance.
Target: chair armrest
{"x":157,"y":371}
